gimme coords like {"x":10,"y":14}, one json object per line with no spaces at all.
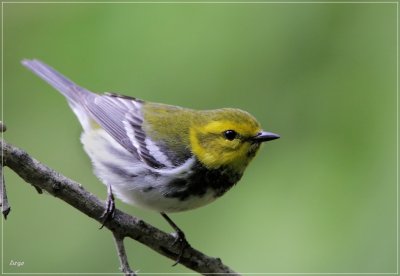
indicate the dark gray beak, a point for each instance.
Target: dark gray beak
{"x":264,"y":136}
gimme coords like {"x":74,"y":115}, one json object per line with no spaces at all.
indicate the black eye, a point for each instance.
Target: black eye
{"x":230,"y":134}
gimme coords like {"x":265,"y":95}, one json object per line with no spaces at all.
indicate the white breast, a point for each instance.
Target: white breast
{"x":133,"y":181}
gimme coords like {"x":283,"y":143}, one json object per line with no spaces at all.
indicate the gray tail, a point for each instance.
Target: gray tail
{"x":68,"y":88}
{"x":74,"y":93}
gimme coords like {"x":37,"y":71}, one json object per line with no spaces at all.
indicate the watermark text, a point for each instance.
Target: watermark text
{"x":16,"y":263}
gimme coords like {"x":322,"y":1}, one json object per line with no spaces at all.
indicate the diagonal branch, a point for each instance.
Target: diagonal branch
{"x":121,"y":225}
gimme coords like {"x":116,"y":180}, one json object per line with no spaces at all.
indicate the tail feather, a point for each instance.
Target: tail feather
{"x":68,"y":88}
{"x":73,"y":93}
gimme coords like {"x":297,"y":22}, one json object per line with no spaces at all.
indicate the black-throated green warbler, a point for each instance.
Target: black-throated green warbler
{"x":157,"y":156}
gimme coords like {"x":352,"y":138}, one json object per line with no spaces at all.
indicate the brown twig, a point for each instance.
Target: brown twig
{"x":123,"y":258}
{"x":3,"y":127}
{"x":5,"y":207}
{"x":121,"y":224}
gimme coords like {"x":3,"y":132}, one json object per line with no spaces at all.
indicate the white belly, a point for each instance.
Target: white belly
{"x":134,"y":182}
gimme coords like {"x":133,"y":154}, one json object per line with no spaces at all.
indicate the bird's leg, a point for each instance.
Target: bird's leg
{"x":180,"y":238}
{"x":110,"y":207}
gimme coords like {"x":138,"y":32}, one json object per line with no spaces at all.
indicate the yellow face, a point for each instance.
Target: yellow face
{"x":226,"y":141}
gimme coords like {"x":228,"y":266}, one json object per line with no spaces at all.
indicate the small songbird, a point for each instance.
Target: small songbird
{"x":160,"y":157}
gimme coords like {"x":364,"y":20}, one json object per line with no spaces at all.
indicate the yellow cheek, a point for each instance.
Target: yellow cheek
{"x":220,"y":153}
{"x":237,"y":158}
{"x":195,"y":144}
{"x":214,"y":160}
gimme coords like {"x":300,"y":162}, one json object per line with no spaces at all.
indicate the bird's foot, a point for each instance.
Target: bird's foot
{"x":183,"y":243}
{"x":110,"y":207}
{"x":179,"y":238}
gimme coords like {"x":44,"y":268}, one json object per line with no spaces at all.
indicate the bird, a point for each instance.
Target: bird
{"x":156,"y":156}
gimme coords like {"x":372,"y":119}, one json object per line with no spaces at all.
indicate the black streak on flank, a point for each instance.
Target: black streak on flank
{"x":202,"y":180}
{"x":113,"y":168}
{"x":147,"y":189}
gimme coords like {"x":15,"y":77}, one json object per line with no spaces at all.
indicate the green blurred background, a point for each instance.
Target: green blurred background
{"x":323,"y":76}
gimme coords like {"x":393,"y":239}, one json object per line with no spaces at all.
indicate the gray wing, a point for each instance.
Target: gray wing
{"x":121,"y":117}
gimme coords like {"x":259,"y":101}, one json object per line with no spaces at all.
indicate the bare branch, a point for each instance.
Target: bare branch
{"x":123,"y":258}
{"x":122,"y":225}
{"x":3,"y":127}
{"x":5,"y":207}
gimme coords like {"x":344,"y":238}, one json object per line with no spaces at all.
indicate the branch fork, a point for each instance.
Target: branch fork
{"x":121,"y":224}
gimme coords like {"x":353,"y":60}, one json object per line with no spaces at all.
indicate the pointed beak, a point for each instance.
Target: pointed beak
{"x":264,"y":136}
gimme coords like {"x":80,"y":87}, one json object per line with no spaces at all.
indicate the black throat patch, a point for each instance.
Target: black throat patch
{"x":202,"y":180}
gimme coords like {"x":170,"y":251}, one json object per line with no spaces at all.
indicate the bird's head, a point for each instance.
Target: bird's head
{"x":227,"y":138}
